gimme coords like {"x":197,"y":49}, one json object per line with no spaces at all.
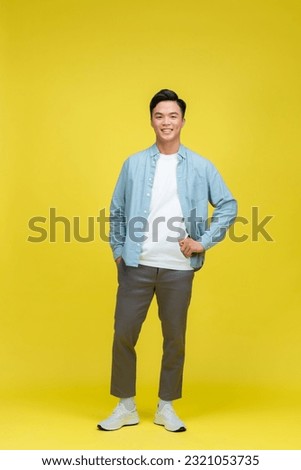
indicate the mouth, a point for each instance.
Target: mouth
{"x":166,"y":131}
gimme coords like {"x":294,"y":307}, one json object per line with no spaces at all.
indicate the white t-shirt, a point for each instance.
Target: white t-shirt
{"x":166,"y":226}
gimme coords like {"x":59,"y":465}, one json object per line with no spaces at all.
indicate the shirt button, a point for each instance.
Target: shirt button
{"x":148,"y":194}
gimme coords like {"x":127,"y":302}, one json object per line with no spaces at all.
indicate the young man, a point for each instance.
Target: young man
{"x":159,"y":234}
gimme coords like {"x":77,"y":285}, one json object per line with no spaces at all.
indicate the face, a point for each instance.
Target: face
{"x":167,"y":121}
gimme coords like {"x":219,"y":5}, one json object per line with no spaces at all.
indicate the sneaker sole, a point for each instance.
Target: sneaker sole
{"x":181,"y":429}
{"x":100,"y":428}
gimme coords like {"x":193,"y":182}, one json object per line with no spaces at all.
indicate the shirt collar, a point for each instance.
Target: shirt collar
{"x":154,"y":151}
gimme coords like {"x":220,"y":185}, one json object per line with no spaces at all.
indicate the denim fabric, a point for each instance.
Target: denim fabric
{"x":199,"y":184}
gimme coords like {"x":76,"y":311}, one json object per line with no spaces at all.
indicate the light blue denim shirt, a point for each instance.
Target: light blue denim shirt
{"x":199,"y":183}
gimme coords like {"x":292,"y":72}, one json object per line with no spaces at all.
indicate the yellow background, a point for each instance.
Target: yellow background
{"x":76,"y":80}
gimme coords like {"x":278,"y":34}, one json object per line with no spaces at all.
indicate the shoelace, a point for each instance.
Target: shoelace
{"x":171,"y":412}
{"x":169,"y":409}
{"x":118,"y":410}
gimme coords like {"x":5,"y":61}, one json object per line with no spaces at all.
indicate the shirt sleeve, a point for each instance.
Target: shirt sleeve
{"x":117,"y":214}
{"x":225,"y":209}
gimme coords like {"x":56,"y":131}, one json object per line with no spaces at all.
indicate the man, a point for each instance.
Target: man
{"x":159,"y":233}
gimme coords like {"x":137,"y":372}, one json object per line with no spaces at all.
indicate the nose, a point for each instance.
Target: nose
{"x":166,"y":121}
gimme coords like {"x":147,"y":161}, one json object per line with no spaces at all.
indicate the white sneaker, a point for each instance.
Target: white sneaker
{"x":120,"y":417}
{"x":167,"y":417}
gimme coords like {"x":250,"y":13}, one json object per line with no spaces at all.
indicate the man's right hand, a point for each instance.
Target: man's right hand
{"x":117,"y":260}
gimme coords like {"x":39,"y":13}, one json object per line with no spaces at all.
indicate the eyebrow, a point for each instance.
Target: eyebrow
{"x":157,"y":113}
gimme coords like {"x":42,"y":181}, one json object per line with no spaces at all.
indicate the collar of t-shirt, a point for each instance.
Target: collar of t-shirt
{"x":171,"y":156}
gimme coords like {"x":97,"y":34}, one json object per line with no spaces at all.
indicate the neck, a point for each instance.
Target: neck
{"x":168,"y":148}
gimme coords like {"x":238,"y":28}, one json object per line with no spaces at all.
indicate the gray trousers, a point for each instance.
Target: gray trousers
{"x":137,"y":287}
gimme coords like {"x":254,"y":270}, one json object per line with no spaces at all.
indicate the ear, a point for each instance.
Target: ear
{"x":183,"y":122}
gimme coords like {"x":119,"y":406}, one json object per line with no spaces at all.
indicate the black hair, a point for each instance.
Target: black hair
{"x":167,"y":95}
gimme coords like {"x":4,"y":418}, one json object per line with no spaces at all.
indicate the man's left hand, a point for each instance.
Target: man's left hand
{"x":188,"y":246}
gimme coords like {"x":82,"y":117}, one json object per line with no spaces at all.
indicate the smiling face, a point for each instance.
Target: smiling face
{"x":167,"y":122}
